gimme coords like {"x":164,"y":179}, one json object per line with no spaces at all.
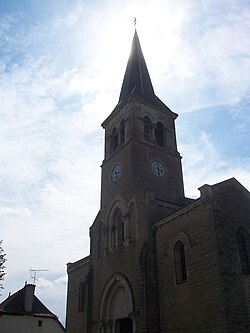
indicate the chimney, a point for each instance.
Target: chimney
{"x":29,"y":297}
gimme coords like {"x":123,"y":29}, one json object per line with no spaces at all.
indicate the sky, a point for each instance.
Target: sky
{"x":61,"y":69}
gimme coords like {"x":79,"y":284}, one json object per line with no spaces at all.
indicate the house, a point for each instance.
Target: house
{"x":23,"y":312}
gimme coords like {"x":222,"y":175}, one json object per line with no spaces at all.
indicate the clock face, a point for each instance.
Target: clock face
{"x":158,"y":168}
{"x":116,"y":172}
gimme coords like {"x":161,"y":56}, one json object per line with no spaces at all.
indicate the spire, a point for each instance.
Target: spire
{"x":136,"y":80}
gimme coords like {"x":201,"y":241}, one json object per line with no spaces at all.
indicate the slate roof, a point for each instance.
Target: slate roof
{"x":136,"y":81}
{"x":14,"y":304}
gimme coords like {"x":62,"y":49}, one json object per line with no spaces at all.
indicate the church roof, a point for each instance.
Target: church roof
{"x":136,"y":80}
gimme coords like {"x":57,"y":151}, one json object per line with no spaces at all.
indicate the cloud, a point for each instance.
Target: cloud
{"x":45,"y":283}
{"x":211,"y":62}
{"x":72,"y":16}
{"x":20,"y":212}
{"x":51,"y":291}
{"x":203,"y":164}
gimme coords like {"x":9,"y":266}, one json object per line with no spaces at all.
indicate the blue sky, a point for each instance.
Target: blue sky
{"x":61,"y":68}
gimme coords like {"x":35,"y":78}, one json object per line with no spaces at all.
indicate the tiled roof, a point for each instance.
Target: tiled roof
{"x":15,"y":304}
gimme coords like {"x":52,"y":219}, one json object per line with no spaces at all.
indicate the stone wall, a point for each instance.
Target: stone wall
{"x":215,"y":297}
{"x":77,"y":314}
{"x":194,"y":305}
{"x":232,"y":211}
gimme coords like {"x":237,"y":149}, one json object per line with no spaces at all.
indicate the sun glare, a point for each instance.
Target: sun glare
{"x":159,"y":30}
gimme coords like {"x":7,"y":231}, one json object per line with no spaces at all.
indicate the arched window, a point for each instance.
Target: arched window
{"x":114,"y":140}
{"x":147,"y":129}
{"x":120,"y":228}
{"x":117,"y":229}
{"x":122,"y":132}
{"x":180,"y":263}
{"x":159,"y":135}
{"x":81,"y":297}
{"x":243,"y":245}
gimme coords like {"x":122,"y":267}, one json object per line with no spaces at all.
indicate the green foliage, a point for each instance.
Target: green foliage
{"x":2,"y":261}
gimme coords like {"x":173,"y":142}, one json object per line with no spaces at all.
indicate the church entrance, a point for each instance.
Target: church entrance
{"x":117,"y":306}
{"x":124,"y":325}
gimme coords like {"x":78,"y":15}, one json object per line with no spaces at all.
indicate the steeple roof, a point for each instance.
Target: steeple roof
{"x":136,"y":80}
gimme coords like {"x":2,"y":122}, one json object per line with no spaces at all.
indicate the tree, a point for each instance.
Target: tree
{"x":2,"y":261}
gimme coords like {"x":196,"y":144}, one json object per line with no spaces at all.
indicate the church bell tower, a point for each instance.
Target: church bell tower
{"x":141,"y":184}
{"x":141,"y":158}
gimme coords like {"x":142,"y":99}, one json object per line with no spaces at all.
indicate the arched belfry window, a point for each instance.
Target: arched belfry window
{"x":81,"y":297}
{"x":119,"y":227}
{"x":180,"y":263}
{"x":159,"y":134}
{"x":147,"y":129}
{"x":114,"y":140}
{"x":243,"y":241}
{"x":122,"y":132}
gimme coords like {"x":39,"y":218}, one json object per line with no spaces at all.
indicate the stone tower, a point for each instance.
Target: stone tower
{"x":141,"y":158}
{"x":141,"y":183}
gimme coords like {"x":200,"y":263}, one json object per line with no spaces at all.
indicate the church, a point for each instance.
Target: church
{"x":159,"y":261}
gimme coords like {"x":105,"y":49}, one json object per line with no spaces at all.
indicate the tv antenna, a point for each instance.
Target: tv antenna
{"x":34,"y":272}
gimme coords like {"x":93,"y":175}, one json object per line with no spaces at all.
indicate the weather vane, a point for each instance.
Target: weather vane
{"x":135,"y":22}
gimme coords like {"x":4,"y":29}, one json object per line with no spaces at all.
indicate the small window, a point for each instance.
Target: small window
{"x":243,"y":246}
{"x":159,"y":135}
{"x":40,"y":323}
{"x":122,"y":132}
{"x":180,"y":263}
{"x":147,"y":129}
{"x":81,"y":297}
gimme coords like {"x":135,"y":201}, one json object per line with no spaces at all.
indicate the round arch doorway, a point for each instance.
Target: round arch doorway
{"x":116,"y":307}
